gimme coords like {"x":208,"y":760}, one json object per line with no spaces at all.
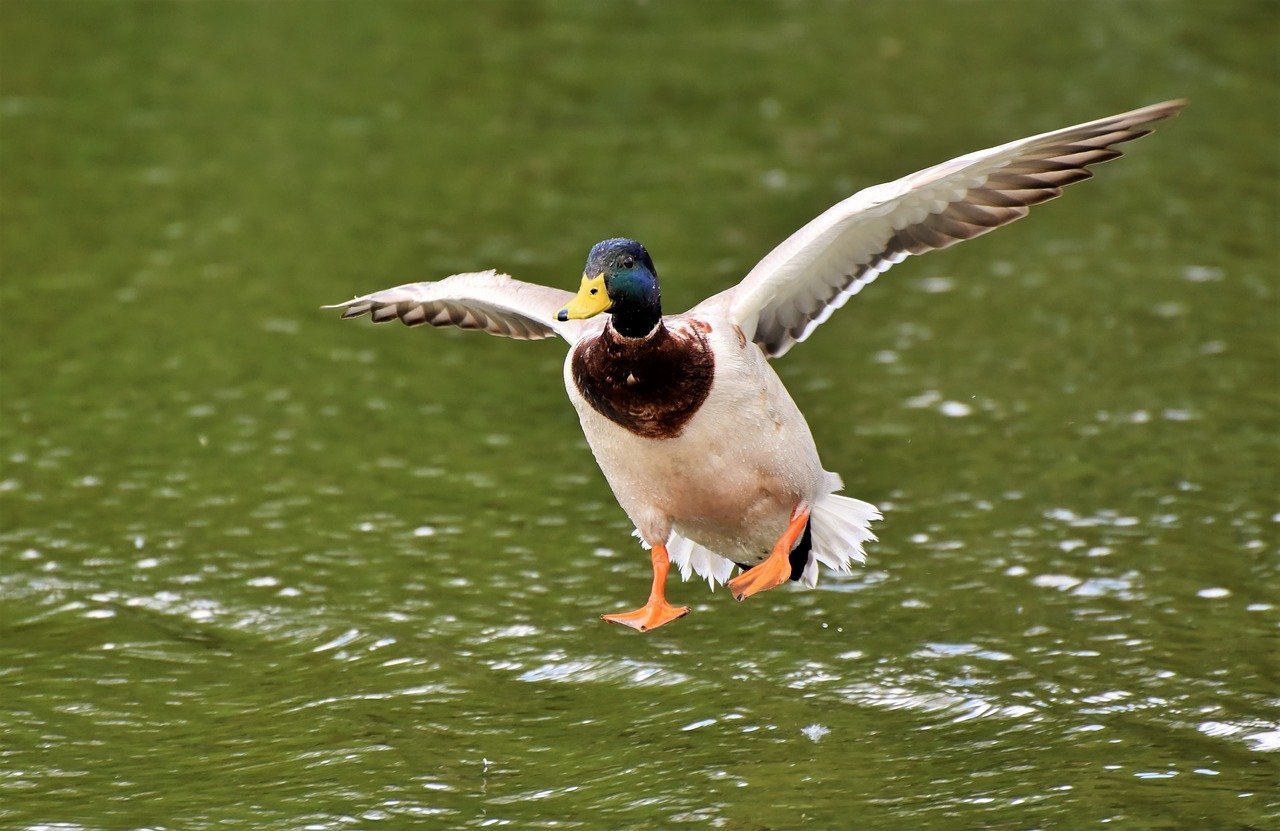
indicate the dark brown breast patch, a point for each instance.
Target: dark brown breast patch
{"x":650,"y":386}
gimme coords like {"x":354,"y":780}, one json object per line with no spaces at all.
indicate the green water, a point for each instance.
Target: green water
{"x":263,"y":569}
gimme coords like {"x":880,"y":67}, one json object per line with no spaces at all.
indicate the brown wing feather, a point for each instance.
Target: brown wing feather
{"x":484,"y":301}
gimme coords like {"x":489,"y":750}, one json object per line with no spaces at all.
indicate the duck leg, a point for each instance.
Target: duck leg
{"x":776,"y":568}
{"x":657,"y":611}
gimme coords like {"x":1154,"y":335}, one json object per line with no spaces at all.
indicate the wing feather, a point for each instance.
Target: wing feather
{"x":797,"y":286}
{"x":483,"y":300}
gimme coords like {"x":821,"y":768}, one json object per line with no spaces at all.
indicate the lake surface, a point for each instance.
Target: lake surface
{"x":263,"y":569}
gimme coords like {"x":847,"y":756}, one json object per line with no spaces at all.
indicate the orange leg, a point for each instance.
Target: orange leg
{"x":776,"y":568}
{"x":657,"y":611}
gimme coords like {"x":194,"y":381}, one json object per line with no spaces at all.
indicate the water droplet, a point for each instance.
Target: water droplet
{"x":815,"y":732}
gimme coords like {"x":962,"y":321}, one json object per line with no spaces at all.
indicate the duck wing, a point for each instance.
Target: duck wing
{"x":485,"y":300}
{"x":797,"y":286}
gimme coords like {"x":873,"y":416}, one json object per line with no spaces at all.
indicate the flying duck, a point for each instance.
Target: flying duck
{"x":702,"y":445}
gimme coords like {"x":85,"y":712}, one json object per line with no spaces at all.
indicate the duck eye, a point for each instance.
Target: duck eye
{"x":627,"y":261}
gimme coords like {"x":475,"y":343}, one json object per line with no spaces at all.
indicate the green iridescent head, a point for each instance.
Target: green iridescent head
{"x":619,"y":279}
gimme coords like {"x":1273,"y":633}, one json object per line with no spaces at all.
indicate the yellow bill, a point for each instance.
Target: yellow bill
{"x":592,"y":299}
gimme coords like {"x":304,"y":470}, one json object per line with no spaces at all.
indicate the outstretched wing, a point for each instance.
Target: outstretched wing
{"x":484,"y":300}
{"x":814,"y":271}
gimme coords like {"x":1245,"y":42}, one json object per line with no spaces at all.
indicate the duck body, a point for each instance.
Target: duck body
{"x":699,"y":440}
{"x":725,"y":475}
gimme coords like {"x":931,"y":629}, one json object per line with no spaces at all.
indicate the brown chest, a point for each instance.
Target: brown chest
{"x":650,"y":386}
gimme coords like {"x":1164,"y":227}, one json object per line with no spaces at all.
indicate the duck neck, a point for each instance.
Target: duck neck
{"x":636,"y":319}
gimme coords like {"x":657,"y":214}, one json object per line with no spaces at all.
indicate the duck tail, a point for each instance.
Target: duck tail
{"x":840,"y":525}
{"x":691,"y":558}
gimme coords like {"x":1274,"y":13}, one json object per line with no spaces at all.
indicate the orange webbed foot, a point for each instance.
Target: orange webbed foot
{"x":657,"y":612}
{"x":771,"y":573}
{"x":776,"y":568}
{"x":649,"y":616}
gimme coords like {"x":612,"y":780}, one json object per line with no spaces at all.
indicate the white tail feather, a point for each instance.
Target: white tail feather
{"x":692,"y":558}
{"x":839,"y":525}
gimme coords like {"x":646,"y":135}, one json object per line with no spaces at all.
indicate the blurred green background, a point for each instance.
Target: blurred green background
{"x":262,"y":569}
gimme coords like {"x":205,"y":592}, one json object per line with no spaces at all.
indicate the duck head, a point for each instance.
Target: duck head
{"x":619,"y":279}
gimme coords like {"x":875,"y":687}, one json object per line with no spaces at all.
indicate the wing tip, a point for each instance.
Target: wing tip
{"x":1153,"y":113}
{"x":350,"y":308}
{"x":1173,"y":104}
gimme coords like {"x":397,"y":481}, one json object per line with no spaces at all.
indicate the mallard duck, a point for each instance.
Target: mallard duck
{"x":702,"y":445}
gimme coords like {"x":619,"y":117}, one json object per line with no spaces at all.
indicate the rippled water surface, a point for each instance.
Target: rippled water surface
{"x":263,"y":569}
